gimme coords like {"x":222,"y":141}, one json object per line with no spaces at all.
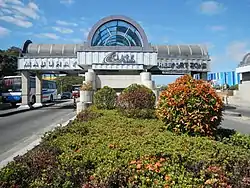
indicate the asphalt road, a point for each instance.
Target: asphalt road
{"x":240,"y":124}
{"x":244,"y":112}
{"x":19,"y":130}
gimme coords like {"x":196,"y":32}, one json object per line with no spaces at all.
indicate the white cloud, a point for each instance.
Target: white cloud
{"x":67,"y":2}
{"x":237,"y":50}
{"x":217,"y":28}
{"x":48,"y":35}
{"x":18,"y":13}
{"x":85,"y":32}
{"x":231,"y":56}
{"x":209,"y":45}
{"x":4,"y":31}
{"x":16,"y":21}
{"x":63,"y":30}
{"x":211,"y":7}
{"x":64,"y":23}
{"x":33,"y":6}
{"x":6,"y":11}
{"x":30,"y":11}
{"x":16,"y":2}
{"x":77,"y":40}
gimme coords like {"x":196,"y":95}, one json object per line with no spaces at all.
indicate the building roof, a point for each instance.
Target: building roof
{"x":175,"y":51}
{"x":245,"y":61}
{"x":52,"y":49}
{"x":69,"y":50}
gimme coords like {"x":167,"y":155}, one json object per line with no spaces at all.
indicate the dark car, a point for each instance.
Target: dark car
{"x":66,"y":95}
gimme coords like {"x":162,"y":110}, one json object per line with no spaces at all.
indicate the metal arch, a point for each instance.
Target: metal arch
{"x":25,"y":46}
{"x":191,"y":51}
{"x":117,"y":35}
{"x":63,"y":49}
{"x":51,"y":48}
{"x":122,"y":18}
{"x":132,"y":36}
{"x":202,"y":52}
{"x":245,"y":58}
{"x":74,"y":49}
{"x":179,"y":48}
{"x":38,"y":48}
{"x":168,"y":49}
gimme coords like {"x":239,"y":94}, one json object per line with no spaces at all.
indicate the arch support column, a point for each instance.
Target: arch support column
{"x":38,"y":90}
{"x":91,"y":78}
{"x":146,"y":80}
{"x":25,"y":77}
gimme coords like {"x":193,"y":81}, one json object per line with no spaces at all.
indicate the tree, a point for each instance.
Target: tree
{"x":8,"y":61}
{"x":64,"y":83}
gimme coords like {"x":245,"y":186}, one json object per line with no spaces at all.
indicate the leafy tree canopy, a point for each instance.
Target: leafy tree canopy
{"x":8,"y":61}
{"x":64,"y":83}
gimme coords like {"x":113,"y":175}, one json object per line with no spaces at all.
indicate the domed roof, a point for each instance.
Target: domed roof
{"x":245,"y":61}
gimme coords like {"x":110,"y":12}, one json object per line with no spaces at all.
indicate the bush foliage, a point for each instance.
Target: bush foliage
{"x":105,"y":98}
{"x":137,"y":101}
{"x":190,"y":106}
{"x":104,"y":149}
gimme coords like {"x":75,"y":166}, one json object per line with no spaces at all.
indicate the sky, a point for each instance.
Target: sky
{"x":220,"y":25}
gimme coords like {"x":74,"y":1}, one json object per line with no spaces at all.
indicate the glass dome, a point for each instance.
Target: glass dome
{"x":117,"y":33}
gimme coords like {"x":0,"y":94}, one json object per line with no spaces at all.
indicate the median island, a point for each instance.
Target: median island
{"x":127,"y":141}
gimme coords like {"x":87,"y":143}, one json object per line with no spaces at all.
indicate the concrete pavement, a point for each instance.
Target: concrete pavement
{"x":19,"y":130}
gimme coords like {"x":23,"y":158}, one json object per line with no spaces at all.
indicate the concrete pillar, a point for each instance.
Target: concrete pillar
{"x":91,"y":77}
{"x":157,"y":94}
{"x":38,"y":90}
{"x":146,"y":79}
{"x":82,"y":106}
{"x":25,"y":90}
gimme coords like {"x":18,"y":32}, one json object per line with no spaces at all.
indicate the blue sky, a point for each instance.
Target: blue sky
{"x":221,"y":25}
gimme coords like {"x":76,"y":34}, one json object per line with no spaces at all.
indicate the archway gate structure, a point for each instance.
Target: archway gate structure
{"x":117,"y":53}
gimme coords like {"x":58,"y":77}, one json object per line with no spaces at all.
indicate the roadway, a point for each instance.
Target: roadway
{"x":240,"y":124}
{"x":19,"y":130}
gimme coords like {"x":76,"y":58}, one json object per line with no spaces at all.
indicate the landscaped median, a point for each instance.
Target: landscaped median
{"x":130,"y":145}
{"x":104,"y":149}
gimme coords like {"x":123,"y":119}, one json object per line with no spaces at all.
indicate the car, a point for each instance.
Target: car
{"x":66,"y":95}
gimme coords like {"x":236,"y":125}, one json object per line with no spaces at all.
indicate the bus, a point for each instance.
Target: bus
{"x":12,"y":90}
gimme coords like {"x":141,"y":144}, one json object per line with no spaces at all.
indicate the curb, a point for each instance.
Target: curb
{"x":230,"y":113}
{"x":16,"y":111}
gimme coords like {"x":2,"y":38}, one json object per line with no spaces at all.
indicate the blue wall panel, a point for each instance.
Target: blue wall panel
{"x":231,"y":78}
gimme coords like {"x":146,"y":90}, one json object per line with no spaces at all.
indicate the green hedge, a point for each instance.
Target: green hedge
{"x":104,"y":149}
{"x":105,"y":98}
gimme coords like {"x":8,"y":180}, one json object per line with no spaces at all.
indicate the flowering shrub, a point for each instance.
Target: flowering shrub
{"x":190,"y":106}
{"x":105,"y":98}
{"x":136,"y":101}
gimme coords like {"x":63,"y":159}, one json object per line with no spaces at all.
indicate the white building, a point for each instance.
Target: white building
{"x":117,"y":53}
{"x":242,"y":96}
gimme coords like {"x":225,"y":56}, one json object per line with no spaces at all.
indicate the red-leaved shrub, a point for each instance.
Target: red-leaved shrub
{"x":190,"y":106}
{"x":136,"y":101}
